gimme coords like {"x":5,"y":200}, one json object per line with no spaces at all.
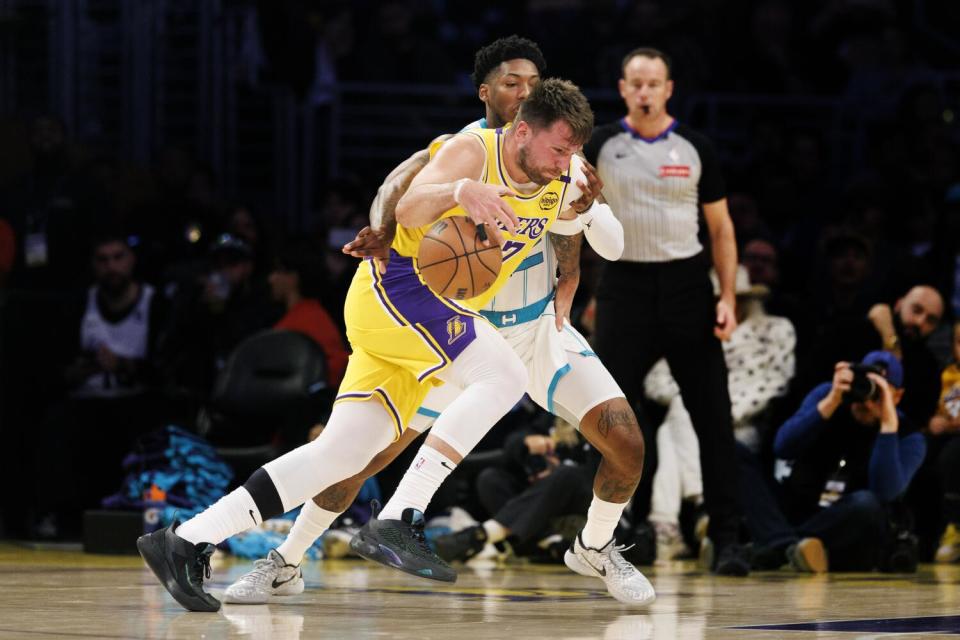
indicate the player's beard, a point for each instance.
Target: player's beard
{"x":536,"y":176}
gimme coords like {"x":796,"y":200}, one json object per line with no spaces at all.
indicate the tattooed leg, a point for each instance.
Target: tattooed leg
{"x":612,"y":428}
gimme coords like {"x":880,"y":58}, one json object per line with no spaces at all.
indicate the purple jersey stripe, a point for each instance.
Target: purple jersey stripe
{"x":376,"y":280}
{"x":447,"y":327}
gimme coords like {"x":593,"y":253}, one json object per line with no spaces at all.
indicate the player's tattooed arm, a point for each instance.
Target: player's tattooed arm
{"x":567,"y":250}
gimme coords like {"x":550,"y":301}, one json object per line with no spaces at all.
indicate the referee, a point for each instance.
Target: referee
{"x":657,"y":300}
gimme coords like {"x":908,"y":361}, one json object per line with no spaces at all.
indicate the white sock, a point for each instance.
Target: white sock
{"x":310,"y":525}
{"x":602,"y":519}
{"x":428,"y":471}
{"x":495,"y":531}
{"x":231,"y":514}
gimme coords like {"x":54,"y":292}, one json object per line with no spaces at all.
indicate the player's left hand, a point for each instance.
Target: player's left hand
{"x":726,"y":319}
{"x":563,"y":299}
{"x":370,"y":243}
{"x":591,"y":188}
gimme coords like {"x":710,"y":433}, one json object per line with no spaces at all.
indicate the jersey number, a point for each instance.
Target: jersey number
{"x":511,"y":248}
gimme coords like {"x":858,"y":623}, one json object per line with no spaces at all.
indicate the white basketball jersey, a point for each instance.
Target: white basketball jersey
{"x":127,"y":339}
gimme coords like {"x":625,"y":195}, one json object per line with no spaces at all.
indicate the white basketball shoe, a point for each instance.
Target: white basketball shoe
{"x":271,"y":576}
{"x":623,"y":580}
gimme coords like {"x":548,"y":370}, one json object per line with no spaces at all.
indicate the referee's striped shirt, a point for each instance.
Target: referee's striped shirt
{"x":655,"y":187}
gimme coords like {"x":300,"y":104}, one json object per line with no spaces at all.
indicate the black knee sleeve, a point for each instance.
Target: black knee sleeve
{"x":264,"y":493}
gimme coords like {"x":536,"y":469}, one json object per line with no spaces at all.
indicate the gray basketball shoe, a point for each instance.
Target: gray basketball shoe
{"x":271,"y":576}
{"x":623,"y":580}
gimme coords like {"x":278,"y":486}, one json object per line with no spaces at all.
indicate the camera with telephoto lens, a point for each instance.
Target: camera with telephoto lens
{"x":862,"y":388}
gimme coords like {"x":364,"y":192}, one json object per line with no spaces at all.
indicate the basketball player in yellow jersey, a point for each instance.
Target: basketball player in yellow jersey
{"x":403,"y":336}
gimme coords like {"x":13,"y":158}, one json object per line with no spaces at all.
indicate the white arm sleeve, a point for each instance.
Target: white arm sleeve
{"x":603,"y":231}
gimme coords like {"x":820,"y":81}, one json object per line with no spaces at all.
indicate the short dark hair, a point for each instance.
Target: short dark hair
{"x":647,"y":52}
{"x":104,"y":238}
{"x":555,"y":99}
{"x":510,"y":48}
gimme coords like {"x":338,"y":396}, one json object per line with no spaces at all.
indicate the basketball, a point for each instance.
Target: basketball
{"x":453,"y":261}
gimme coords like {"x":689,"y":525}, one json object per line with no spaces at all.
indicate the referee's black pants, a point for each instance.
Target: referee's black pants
{"x":651,"y":310}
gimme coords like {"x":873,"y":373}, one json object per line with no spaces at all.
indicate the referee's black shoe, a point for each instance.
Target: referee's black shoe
{"x":181,"y":567}
{"x":402,"y":545}
{"x":732,"y":560}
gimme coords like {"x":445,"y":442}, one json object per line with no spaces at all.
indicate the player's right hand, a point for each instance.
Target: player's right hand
{"x":370,"y":243}
{"x":484,"y":204}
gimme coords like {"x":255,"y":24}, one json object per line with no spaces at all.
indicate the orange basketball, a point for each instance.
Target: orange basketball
{"x":453,"y":261}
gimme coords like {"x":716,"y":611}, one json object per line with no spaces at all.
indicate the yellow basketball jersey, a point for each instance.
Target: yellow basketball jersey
{"x":536,"y":212}
{"x":950,"y":391}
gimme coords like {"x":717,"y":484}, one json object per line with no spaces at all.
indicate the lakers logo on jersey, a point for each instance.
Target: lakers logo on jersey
{"x":549,"y":200}
{"x":456,"y":328}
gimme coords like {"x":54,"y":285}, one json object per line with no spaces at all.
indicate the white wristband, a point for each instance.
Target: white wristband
{"x":589,"y":209}
{"x":458,"y":188}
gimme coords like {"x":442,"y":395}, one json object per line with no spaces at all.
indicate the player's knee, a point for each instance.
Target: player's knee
{"x":621,"y":441}
{"x":632,"y":450}
{"x":352,"y":455}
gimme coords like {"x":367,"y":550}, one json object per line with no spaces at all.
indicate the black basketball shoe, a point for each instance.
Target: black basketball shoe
{"x":463,"y":544}
{"x":401,"y":544}
{"x":180,"y":566}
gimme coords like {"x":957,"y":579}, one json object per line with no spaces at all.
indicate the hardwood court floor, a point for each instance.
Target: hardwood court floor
{"x":55,"y":594}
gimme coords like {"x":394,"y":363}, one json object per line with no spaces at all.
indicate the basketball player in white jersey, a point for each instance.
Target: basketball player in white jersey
{"x":565,"y":376}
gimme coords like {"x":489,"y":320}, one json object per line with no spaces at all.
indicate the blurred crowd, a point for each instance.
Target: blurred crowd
{"x":181,"y":273}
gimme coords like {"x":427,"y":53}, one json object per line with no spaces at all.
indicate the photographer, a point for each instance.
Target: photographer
{"x":851,"y":454}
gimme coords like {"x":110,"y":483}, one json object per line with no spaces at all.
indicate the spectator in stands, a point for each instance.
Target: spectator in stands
{"x":759,"y":256}
{"x":903,"y":329}
{"x":110,"y":383}
{"x":760,"y":364}
{"x":851,"y":453}
{"x":762,"y":259}
{"x":296,"y":281}
{"x":944,"y":427}
{"x":120,"y":326}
